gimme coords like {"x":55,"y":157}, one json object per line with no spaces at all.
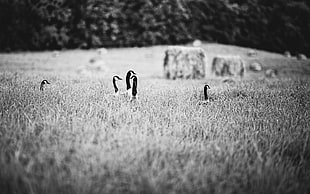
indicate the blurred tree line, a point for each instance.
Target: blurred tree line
{"x":275,"y":25}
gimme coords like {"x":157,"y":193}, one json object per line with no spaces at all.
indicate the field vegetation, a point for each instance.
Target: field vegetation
{"x":75,"y":137}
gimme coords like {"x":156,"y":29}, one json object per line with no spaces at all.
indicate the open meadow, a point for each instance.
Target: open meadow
{"x":75,"y":137}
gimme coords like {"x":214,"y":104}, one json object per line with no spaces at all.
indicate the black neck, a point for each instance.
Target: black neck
{"x":128,"y":81}
{"x":115,"y":86}
{"x":134,"y":86}
{"x":206,"y":93}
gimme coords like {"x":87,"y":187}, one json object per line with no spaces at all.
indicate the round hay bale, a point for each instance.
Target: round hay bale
{"x":252,"y":53}
{"x":102,"y":51}
{"x":197,"y":43}
{"x":256,"y":66}
{"x":55,"y":54}
{"x":301,"y":56}
{"x":271,"y":73}
{"x":228,"y":66}
{"x":287,"y":54}
{"x":184,"y":63}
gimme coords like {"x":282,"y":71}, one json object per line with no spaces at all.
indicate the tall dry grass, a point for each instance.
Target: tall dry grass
{"x":76,"y":138}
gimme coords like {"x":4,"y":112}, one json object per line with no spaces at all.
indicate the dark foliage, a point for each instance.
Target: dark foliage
{"x":276,"y":25}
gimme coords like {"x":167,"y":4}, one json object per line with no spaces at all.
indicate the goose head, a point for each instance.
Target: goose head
{"x":128,"y":76}
{"x":43,"y":83}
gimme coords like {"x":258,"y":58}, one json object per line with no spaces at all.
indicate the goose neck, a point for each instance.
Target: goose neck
{"x":128,"y":81}
{"x":134,"y":87}
{"x":115,"y":86}
{"x":206,"y":93}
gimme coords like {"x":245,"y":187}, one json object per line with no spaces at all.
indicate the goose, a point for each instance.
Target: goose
{"x":205,"y":92}
{"x":207,"y":99}
{"x":129,"y":75}
{"x":116,"y":78}
{"x":43,"y":83}
{"x":134,"y":87}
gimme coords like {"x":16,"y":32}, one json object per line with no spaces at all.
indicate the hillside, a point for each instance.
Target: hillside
{"x":148,"y":61}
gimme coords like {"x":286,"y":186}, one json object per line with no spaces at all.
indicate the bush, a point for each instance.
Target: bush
{"x":271,"y":25}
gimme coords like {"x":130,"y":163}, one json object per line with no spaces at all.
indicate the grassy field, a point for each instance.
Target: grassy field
{"x":76,"y":138}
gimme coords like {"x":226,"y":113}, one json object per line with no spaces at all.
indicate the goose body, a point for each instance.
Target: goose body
{"x":43,"y":83}
{"x":116,"y":78}
{"x":129,"y":75}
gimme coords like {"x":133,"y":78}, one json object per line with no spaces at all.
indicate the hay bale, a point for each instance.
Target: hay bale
{"x":228,"y":66}
{"x":271,"y":73}
{"x":102,"y":51}
{"x":252,"y":53}
{"x":56,"y":54}
{"x":184,"y":63}
{"x":197,"y":43}
{"x":256,"y":66}
{"x":301,"y":56}
{"x":287,"y":54}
